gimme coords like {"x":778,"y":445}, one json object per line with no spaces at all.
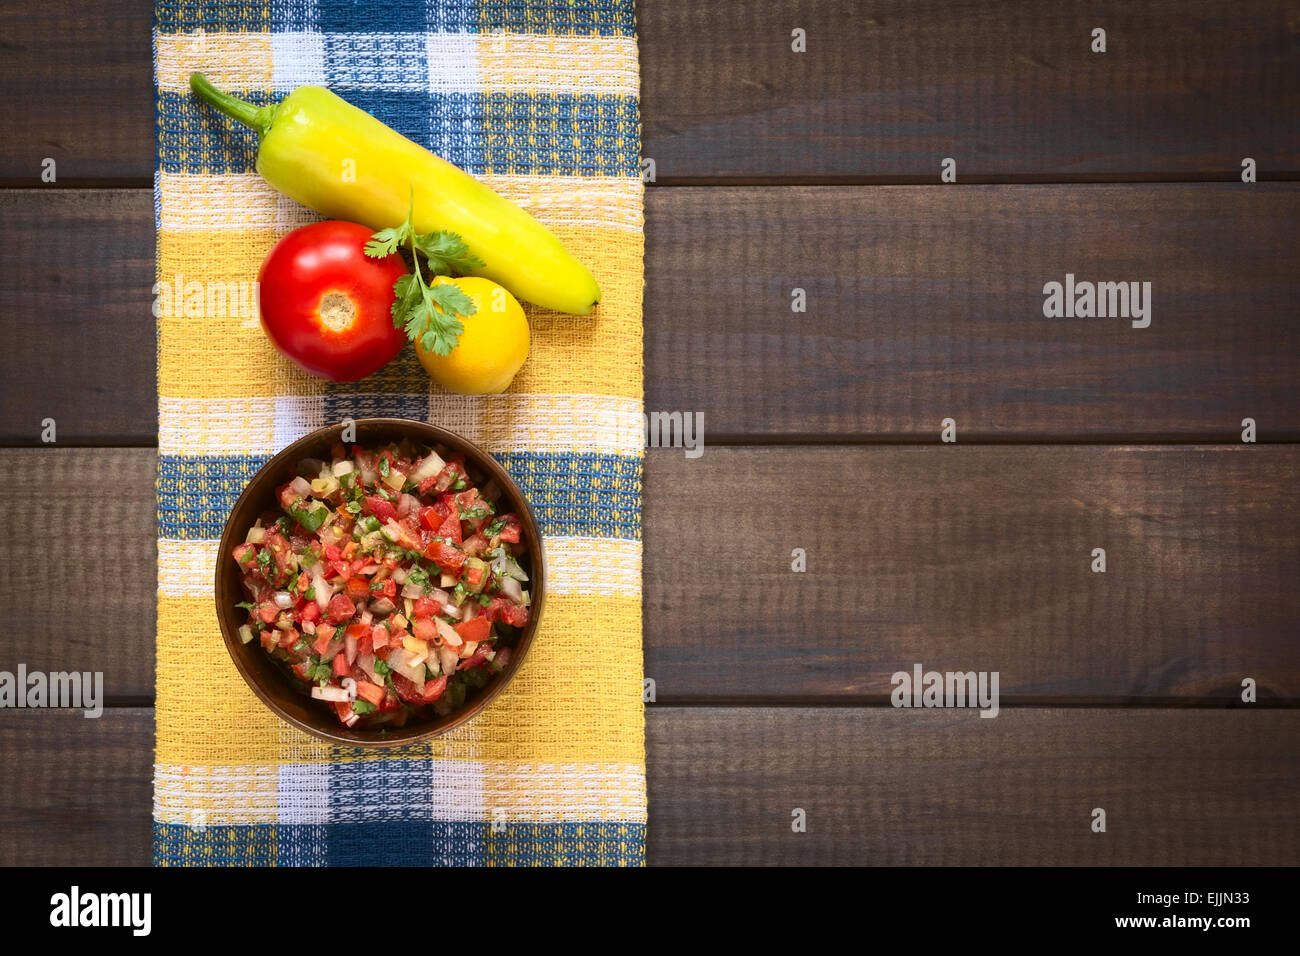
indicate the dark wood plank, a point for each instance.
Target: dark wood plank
{"x":1010,"y":90}
{"x":78,"y":89}
{"x":883,"y":787}
{"x":80,"y":525}
{"x":957,"y":558}
{"x":879,"y":786}
{"x":76,"y":275}
{"x":76,"y":792}
{"x":925,"y":303}
{"x":974,"y":558}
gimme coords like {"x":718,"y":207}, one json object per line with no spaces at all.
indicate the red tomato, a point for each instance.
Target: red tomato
{"x":326,"y":305}
{"x":431,"y":518}
{"x":425,"y":607}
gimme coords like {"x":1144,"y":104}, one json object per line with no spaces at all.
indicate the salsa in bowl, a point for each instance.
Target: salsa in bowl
{"x":379,"y":591}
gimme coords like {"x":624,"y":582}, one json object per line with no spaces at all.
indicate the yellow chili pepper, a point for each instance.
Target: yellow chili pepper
{"x":343,"y":163}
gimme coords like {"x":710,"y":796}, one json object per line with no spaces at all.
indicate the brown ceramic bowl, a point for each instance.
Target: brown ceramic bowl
{"x":268,"y":681}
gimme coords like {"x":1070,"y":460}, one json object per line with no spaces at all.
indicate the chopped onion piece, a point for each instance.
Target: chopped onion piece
{"x":407,"y":505}
{"x":382,"y":607}
{"x":394,"y":479}
{"x":245,"y":634}
{"x":399,"y":575}
{"x":427,"y":467}
{"x":323,"y":591}
{"x":256,"y":534}
{"x":341,"y":468}
{"x":469,"y":610}
{"x":447,"y":633}
{"x":512,"y":589}
{"x":439,"y":596}
{"x":451,"y":610}
{"x":335,"y":695}
{"x":283,"y":600}
{"x":449,"y":660}
{"x":447,"y":581}
{"x":412,"y":590}
{"x":349,"y":649}
{"x":301,"y":486}
{"x":409,"y":665}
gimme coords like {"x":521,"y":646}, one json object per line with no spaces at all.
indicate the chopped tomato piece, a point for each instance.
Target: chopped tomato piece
{"x":476,"y":629}
{"x":432,"y":517}
{"x":323,"y":640}
{"x":372,"y":693}
{"x":381,"y":509}
{"x":288,"y":637}
{"x":512,"y":528}
{"x":425,"y":607}
{"x":474,"y":576}
{"x":311,"y":612}
{"x":478,"y":657}
{"x":424,"y":629}
{"x":433,"y":689}
{"x":450,"y":528}
{"x":357,"y":588}
{"x":341,"y":668}
{"x":387,"y":589}
{"x":476,"y":545}
{"x":340,"y":609}
{"x":449,"y":558}
{"x":267,"y":612}
{"x":245,"y":554}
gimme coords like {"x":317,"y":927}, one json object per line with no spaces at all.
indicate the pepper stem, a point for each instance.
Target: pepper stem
{"x":258,"y":117}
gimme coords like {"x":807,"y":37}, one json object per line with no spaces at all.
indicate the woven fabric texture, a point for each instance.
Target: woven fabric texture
{"x":540,"y":101}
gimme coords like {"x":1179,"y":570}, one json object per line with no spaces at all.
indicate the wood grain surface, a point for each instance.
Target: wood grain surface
{"x":1010,"y":90}
{"x":884,"y":92}
{"x":76,"y":279}
{"x":974,"y":558}
{"x":957,"y":558}
{"x":923,"y":303}
{"x":877,"y":785}
{"x":81,"y":525}
{"x":78,"y":89}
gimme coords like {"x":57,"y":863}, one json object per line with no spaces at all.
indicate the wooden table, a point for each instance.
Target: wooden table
{"x":818,"y":171}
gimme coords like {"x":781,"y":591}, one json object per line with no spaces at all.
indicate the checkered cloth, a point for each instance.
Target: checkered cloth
{"x":540,"y":101}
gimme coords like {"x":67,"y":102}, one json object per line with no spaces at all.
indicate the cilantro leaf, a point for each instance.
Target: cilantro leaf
{"x":387,"y":241}
{"x":447,"y":253}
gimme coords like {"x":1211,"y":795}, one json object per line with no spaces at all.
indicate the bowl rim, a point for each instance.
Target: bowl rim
{"x":432,"y":434}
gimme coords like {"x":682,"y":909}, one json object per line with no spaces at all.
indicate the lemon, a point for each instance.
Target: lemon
{"x":491,"y":349}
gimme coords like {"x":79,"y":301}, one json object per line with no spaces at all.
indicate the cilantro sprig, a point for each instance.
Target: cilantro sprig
{"x":430,"y":314}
